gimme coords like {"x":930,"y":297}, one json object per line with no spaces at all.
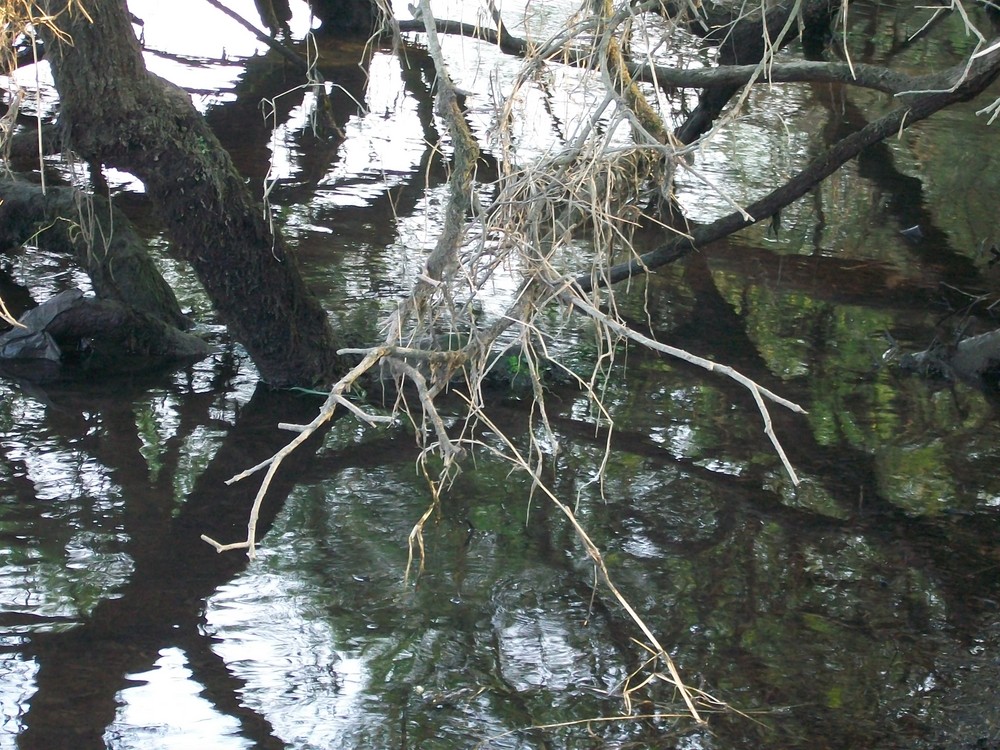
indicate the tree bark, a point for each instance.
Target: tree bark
{"x":100,"y":237}
{"x":115,"y":112}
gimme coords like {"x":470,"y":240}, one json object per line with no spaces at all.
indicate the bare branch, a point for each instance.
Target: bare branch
{"x":956,"y":84}
{"x":305,"y":432}
{"x":874,"y":77}
{"x":615,"y":158}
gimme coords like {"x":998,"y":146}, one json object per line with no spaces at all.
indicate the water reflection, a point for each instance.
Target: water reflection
{"x":322,"y":629}
{"x":191,"y":720}
{"x":201,"y":48}
{"x":382,"y":147}
{"x":320,"y":644}
{"x":271,"y":632}
{"x":857,"y":610}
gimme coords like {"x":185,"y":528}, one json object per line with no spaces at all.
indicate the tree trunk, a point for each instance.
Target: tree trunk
{"x":115,"y":112}
{"x":100,"y":237}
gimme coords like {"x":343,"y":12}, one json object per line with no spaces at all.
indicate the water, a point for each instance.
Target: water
{"x":857,"y":610}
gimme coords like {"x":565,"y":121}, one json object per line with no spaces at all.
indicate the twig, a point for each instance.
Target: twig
{"x":274,"y":462}
{"x":758,"y":391}
{"x":595,"y":555}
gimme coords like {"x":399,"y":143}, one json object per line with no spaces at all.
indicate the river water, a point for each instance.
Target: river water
{"x":857,"y":610}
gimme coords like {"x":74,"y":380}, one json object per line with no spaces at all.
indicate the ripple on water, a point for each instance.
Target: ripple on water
{"x":295,"y":676}
{"x":18,"y":687}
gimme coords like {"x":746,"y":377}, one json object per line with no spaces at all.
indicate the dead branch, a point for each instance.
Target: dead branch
{"x":607,"y":165}
{"x":759,"y":393}
{"x":860,"y":75}
{"x":959,"y":83}
{"x":875,"y":77}
{"x":273,"y":463}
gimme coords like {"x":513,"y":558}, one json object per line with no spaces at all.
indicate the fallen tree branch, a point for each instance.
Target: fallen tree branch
{"x":876,"y":77}
{"x":860,"y":75}
{"x":443,"y":259}
{"x":953,"y":86}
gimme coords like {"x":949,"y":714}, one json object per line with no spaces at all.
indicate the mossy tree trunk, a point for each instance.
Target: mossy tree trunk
{"x":99,"y":236}
{"x":117,"y":113}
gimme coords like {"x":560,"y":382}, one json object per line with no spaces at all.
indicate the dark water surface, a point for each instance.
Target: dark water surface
{"x":858,"y":610}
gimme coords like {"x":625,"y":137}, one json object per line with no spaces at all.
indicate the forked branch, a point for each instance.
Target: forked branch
{"x":272,"y":464}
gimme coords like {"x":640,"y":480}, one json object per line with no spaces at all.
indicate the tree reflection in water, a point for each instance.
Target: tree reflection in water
{"x":856,"y":611}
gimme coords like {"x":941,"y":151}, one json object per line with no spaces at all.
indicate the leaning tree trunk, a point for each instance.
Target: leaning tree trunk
{"x":117,"y":113}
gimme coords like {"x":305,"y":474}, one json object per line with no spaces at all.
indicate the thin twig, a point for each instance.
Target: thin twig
{"x":758,"y":391}
{"x":274,"y":462}
{"x":595,"y":555}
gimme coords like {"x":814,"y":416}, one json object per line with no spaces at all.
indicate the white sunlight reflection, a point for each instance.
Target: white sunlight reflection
{"x":165,"y":711}
{"x":19,"y":685}
{"x":752,"y":155}
{"x":311,"y":692}
{"x":198,"y":47}
{"x":383,"y":146}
